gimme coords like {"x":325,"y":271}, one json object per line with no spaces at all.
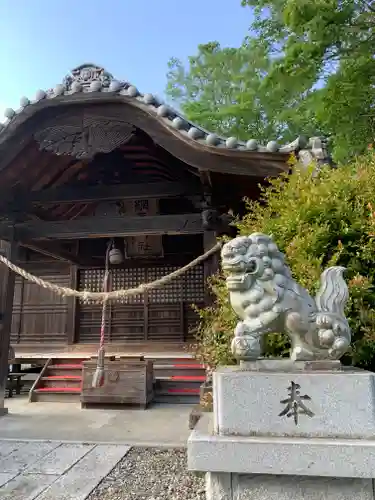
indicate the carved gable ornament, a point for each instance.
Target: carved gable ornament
{"x":83,"y":134}
{"x":85,"y":75}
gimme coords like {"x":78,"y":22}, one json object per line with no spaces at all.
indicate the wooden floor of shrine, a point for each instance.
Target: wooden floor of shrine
{"x":30,"y":353}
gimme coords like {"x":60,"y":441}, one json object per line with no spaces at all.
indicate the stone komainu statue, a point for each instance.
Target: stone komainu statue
{"x":267,"y":299}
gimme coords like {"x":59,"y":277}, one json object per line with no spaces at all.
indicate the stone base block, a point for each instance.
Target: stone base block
{"x":318,"y":457}
{"x":279,"y":398}
{"x":226,"y":486}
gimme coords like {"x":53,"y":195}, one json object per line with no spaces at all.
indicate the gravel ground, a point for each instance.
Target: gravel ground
{"x":151,"y":474}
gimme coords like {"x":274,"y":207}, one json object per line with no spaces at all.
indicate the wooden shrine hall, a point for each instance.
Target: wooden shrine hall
{"x":92,"y":165}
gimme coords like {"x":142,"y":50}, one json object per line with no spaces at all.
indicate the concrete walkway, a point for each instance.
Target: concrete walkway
{"x":54,"y":471}
{"x":159,"y":425}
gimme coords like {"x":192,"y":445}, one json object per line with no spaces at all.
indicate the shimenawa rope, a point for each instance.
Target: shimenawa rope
{"x":106,"y":295}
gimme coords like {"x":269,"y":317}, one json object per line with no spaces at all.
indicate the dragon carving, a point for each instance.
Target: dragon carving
{"x":267,"y":299}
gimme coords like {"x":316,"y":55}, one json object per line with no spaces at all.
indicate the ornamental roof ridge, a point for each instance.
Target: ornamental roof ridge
{"x":88,"y":78}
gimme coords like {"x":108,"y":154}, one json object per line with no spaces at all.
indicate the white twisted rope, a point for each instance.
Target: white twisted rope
{"x":115,"y":294}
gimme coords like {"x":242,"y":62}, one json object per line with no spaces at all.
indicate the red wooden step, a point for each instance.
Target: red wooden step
{"x":184,"y":390}
{"x":185,"y":360}
{"x":193,"y":378}
{"x":188,"y":365}
{"x":66,"y":367}
{"x":59,"y":389}
{"x":181,"y":366}
{"x":62,"y":377}
{"x":183,"y":378}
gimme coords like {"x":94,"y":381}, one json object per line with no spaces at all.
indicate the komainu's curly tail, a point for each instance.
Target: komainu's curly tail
{"x":334,"y":293}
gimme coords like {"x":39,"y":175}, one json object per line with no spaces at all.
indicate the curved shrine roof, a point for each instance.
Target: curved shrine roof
{"x":90,"y":87}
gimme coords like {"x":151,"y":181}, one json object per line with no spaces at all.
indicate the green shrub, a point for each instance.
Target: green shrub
{"x":317,"y":221}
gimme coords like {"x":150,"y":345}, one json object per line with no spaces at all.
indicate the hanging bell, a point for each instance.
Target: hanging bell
{"x":115,"y":256}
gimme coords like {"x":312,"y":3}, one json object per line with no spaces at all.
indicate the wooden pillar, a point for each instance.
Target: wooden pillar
{"x":211,"y":265}
{"x":71,"y":323}
{"x":7,"y":278}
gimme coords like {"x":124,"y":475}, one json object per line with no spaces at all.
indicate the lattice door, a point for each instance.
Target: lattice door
{"x":127,"y":314}
{"x":163,"y":314}
{"x":90,"y":312}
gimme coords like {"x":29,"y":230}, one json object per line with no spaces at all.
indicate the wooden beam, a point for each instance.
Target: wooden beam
{"x":105,"y":227}
{"x":53,"y":252}
{"x":98,"y":194}
{"x":6,"y":305}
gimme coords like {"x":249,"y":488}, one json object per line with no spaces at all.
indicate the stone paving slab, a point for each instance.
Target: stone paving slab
{"x":26,"y":486}
{"x":60,"y":459}
{"x":54,"y":471}
{"x":5,"y":477}
{"x":80,"y":480}
{"x":25,"y":456}
{"x":8,"y":447}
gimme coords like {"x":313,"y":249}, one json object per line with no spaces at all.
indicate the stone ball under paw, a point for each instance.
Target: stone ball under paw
{"x":326,"y":337}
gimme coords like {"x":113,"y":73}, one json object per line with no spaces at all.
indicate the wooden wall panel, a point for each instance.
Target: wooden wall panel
{"x":40,"y":315}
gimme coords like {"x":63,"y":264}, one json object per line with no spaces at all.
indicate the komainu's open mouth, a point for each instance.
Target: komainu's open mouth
{"x":233,"y":266}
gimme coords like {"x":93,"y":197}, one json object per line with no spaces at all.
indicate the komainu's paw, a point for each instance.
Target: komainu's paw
{"x":246,"y":347}
{"x":300,"y":353}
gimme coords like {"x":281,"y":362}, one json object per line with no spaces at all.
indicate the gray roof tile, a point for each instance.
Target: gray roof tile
{"x":89,"y":78}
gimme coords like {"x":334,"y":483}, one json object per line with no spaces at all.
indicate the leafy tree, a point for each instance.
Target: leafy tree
{"x":328,"y":44}
{"x":317,"y":222}
{"x":223,"y":91}
{"x":307,"y":67}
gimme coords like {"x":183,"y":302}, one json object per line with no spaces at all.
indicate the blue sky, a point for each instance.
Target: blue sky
{"x":133,"y":39}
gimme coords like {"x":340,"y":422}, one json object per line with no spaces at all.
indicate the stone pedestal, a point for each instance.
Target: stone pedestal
{"x":283,"y":430}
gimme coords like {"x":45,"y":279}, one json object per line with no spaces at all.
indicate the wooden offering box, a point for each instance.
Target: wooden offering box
{"x":128,"y":381}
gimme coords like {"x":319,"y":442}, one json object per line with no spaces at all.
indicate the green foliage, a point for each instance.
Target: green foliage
{"x":328,"y":44}
{"x":216,"y":327}
{"x":223,"y":91}
{"x":317,"y":222}
{"x":308,"y":67}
